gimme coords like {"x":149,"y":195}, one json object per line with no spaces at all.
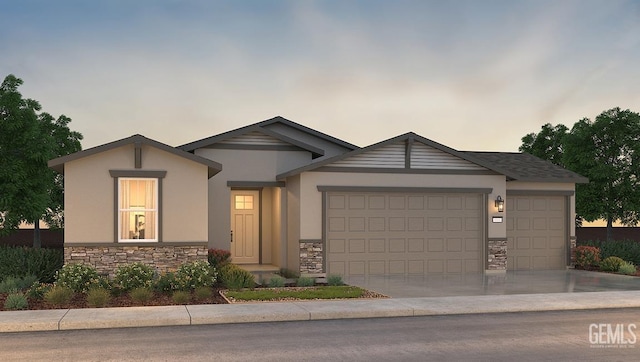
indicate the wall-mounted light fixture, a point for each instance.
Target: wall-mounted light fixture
{"x":500,"y":203}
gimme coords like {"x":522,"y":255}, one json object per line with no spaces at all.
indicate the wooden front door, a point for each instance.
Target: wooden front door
{"x":245,"y":226}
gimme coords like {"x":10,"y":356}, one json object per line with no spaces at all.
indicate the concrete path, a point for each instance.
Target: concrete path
{"x":92,"y":318}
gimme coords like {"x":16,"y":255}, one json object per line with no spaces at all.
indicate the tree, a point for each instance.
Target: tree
{"x":29,"y":190}
{"x":607,"y":151}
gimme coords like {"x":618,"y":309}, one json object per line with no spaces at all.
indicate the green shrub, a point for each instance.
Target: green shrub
{"x":22,"y":261}
{"x":305,"y":282}
{"x":627,"y":268}
{"x":181,"y":297}
{"x":134,"y":275}
{"x":195,"y":274}
{"x":624,"y":249}
{"x":9,"y":285}
{"x":234,"y":277}
{"x":78,"y":277}
{"x":218,"y":258}
{"x":166,"y":283}
{"x":203,"y":293}
{"x":587,"y":256}
{"x":276,"y":281}
{"x":38,"y":290}
{"x":335,"y":280}
{"x":141,"y":295}
{"x":288,"y":273}
{"x":611,"y":263}
{"x":59,"y":295}
{"x":98,"y":297}
{"x":15,"y":301}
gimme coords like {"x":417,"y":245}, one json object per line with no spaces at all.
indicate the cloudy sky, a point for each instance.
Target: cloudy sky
{"x":474,"y":75}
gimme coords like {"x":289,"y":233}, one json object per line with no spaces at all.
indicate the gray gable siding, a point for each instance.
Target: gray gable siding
{"x":255,"y":138}
{"x":331,"y":148}
{"x":426,"y":157}
{"x":388,"y":156}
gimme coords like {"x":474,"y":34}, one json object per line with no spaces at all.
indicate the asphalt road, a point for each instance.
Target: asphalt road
{"x":536,"y":336}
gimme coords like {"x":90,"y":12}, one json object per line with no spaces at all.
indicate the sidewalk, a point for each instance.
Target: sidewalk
{"x":93,"y":318}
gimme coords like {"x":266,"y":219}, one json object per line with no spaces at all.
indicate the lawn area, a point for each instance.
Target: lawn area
{"x":298,"y":293}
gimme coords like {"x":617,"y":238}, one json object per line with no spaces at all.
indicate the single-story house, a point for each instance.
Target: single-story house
{"x":277,"y":193}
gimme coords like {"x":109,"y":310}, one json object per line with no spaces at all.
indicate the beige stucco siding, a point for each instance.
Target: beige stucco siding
{"x":89,"y":195}
{"x":293,"y":223}
{"x":311,"y":198}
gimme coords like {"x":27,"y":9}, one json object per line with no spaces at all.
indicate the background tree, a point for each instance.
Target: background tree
{"x":29,"y":190}
{"x":607,"y":151}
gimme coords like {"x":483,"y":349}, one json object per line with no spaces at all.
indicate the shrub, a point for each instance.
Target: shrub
{"x":587,"y":256}
{"x":611,"y":263}
{"x":141,"y":295}
{"x":59,"y":295}
{"x":181,"y":297}
{"x":627,"y":268}
{"x":22,"y":261}
{"x":234,"y":277}
{"x":78,"y":277}
{"x":166,"y":283}
{"x":624,"y":249}
{"x":15,"y":301}
{"x":134,"y":275}
{"x":12,"y":283}
{"x":38,"y":290}
{"x":218,"y":258}
{"x":335,"y":280}
{"x":203,"y":293}
{"x":98,"y":297}
{"x":276,"y":281}
{"x":194,"y":274}
{"x":288,"y":273}
{"x":305,"y":282}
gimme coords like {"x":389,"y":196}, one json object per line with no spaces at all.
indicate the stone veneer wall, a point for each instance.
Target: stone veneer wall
{"x":497,"y":255}
{"x":107,"y":258}
{"x":311,"y":258}
{"x":573,"y":242}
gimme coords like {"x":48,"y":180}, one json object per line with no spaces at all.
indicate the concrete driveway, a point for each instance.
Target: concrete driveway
{"x":513,"y":282}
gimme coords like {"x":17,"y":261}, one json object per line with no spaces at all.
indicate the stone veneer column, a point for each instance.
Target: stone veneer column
{"x":497,"y":254}
{"x":311,"y":257}
{"x":107,"y":258}
{"x":573,"y":243}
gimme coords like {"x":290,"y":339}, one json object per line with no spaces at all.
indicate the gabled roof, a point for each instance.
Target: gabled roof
{"x":526,"y":167}
{"x":411,"y":137}
{"x":58,"y":163}
{"x":261,"y":127}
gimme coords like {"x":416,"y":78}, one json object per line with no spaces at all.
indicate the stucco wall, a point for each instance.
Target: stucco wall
{"x":89,"y":195}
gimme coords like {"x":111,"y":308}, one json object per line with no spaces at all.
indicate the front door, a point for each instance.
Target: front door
{"x":245,"y":226}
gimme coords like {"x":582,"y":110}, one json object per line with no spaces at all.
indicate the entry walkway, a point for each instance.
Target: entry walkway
{"x":511,"y":282}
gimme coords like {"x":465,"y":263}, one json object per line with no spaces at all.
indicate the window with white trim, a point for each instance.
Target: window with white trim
{"x":137,"y":209}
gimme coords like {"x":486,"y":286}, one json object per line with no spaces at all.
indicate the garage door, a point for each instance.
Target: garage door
{"x":403,"y":234}
{"x":536,"y":232}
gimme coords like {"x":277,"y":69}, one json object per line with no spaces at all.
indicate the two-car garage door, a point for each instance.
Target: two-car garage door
{"x":378,"y":233}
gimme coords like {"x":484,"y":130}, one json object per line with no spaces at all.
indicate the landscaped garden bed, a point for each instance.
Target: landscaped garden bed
{"x":618,"y":257}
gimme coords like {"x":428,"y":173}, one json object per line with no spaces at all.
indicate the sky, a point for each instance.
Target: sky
{"x":473,"y":75}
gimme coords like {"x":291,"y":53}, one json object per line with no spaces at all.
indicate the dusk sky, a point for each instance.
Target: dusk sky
{"x":473,"y":75}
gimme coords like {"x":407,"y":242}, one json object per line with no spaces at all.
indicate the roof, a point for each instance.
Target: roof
{"x":527,"y":167}
{"x":58,"y":163}
{"x":260,"y":127}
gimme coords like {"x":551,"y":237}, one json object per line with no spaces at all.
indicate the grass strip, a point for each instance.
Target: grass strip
{"x":328,"y":292}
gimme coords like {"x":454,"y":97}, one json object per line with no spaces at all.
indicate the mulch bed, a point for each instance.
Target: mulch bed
{"x":596,"y":269}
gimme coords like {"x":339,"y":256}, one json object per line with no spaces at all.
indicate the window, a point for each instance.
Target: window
{"x":244,"y":202}
{"x":138,"y":209}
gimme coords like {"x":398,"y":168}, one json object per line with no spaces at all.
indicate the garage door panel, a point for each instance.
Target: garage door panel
{"x":540,"y":243}
{"x":337,"y":202}
{"x":404,"y":234}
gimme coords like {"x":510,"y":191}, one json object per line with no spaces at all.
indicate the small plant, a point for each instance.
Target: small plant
{"x":195,"y":274}
{"x":627,"y":268}
{"x":234,"y":277}
{"x":8,"y":285}
{"x":15,"y":301}
{"x":98,"y":297}
{"x":203,"y":293}
{"x":587,"y":256}
{"x":78,"y":277}
{"x":166,"y":283}
{"x":288,"y":273}
{"x":611,"y":264}
{"x":218,"y":258}
{"x":59,"y":295}
{"x":134,"y":275}
{"x":276,"y":281}
{"x":181,"y":297}
{"x":141,"y":295}
{"x":335,"y":280}
{"x":305,"y":282}
{"x":38,"y":290}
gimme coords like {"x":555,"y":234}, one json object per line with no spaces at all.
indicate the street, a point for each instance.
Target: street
{"x":568,"y":335}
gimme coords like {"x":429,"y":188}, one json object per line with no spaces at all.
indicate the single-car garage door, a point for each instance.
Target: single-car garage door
{"x":380,"y":233}
{"x":536,"y":232}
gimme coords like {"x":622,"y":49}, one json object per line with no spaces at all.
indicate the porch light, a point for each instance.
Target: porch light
{"x":500,"y":203}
